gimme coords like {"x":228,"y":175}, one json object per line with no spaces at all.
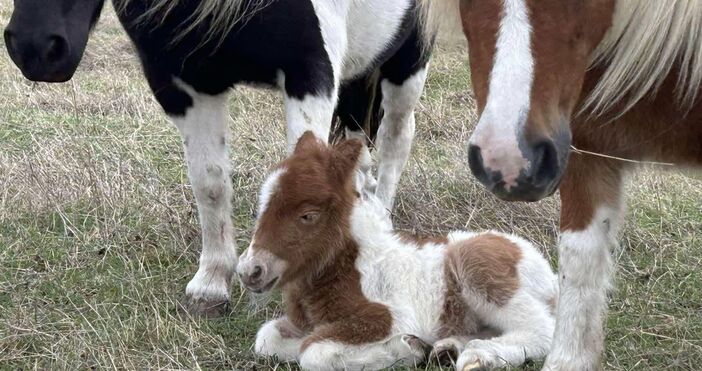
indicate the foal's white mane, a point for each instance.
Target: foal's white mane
{"x":647,"y":39}
{"x":222,"y":15}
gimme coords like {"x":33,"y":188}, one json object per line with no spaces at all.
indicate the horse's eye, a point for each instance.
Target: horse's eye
{"x":309,"y":217}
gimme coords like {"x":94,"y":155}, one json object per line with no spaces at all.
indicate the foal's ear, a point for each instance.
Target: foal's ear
{"x":307,"y":140}
{"x":346,"y":157}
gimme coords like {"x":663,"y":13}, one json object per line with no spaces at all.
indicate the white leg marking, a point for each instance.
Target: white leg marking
{"x":328,"y":355}
{"x":315,"y":112}
{"x":396,"y":132}
{"x":312,"y":113}
{"x":269,"y":342}
{"x":204,"y":130}
{"x":509,"y":95}
{"x":585,"y":268}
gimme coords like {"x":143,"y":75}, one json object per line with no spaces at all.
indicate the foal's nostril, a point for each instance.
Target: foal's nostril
{"x":56,"y":49}
{"x":257,"y":272}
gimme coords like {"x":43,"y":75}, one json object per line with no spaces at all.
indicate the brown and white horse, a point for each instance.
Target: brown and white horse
{"x":359,"y":296}
{"x":617,"y":79}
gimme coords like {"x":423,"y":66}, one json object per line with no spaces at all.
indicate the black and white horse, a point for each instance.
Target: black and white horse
{"x":344,"y":59}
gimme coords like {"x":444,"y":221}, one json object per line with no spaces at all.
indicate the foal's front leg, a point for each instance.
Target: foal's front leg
{"x":331,"y":354}
{"x":203,"y":128}
{"x":279,"y":338}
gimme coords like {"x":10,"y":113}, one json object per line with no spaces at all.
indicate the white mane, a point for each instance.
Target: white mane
{"x":647,"y":39}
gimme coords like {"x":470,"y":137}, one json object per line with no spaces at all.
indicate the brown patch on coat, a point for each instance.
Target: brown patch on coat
{"x":457,"y":318}
{"x":481,"y":23}
{"x":420,"y":241}
{"x":306,"y":224}
{"x":485,"y":264}
{"x":288,"y":330}
{"x":563,"y":36}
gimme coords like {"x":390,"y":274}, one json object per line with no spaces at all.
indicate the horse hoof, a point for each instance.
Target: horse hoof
{"x":206,"y":308}
{"x":474,"y":367}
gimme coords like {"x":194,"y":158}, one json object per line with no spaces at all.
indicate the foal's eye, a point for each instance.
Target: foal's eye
{"x":309,"y":217}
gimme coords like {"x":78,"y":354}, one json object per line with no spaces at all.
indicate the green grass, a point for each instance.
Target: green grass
{"x":99,"y":232}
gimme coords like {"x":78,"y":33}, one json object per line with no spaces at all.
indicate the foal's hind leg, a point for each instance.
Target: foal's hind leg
{"x":203,"y":128}
{"x":527,"y":327}
{"x":402,"y":83}
{"x":591,"y":210}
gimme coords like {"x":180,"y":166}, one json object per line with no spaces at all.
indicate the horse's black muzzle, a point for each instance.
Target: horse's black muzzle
{"x":40,"y":56}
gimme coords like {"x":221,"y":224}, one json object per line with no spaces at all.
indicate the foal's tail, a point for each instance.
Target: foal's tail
{"x":359,"y":110}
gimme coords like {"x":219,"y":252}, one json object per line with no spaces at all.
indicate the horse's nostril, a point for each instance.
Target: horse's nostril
{"x":9,"y":39}
{"x":56,"y":49}
{"x":257,"y":271}
{"x":475,"y":162}
{"x":545,"y":162}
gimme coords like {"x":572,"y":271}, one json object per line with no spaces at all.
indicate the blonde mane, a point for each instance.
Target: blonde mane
{"x":647,"y":39}
{"x":219,"y":16}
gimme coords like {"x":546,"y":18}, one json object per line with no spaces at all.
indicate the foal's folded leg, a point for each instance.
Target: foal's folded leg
{"x":400,"y":350}
{"x":279,"y":338}
{"x":527,"y":332}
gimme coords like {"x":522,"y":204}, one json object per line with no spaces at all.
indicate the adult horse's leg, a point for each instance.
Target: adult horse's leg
{"x":591,"y":211}
{"x":402,"y":83}
{"x":203,"y":128}
{"x":311,"y":87}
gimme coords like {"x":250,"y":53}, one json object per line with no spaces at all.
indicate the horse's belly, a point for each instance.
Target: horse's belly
{"x":373,"y":27}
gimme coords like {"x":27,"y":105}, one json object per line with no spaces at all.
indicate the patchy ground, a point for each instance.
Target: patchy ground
{"x":99,"y":233}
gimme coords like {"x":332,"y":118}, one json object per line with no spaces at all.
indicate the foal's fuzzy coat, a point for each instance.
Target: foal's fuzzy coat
{"x":360,"y":296}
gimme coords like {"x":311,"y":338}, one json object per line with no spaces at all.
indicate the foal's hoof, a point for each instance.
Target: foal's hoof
{"x":445,"y":354}
{"x":417,"y":345}
{"x":474,"y":367}
{"x":207,"y":308}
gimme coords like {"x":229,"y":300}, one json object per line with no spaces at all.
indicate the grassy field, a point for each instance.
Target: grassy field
{"x":99,"y":232}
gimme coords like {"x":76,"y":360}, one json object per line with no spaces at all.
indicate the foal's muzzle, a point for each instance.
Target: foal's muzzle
{"x":40,"y":56}
{"x":259,"y":271}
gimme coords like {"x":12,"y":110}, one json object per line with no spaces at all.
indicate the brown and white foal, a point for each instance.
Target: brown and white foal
{"x":359,"y":296}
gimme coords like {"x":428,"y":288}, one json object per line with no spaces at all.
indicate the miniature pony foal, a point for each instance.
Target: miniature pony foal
{"x":359,"y":296}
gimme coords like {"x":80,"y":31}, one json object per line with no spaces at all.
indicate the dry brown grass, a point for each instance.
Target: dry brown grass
{"x":98,"y":230}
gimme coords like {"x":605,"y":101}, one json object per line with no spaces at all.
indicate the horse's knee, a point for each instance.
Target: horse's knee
{"x":210,"y":185}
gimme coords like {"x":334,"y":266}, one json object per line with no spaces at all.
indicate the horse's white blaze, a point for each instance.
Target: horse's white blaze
{"x":396,"y":132}
{"x":509,"y":95}
{"x":204,"y":131}
{"x":585,"y":268}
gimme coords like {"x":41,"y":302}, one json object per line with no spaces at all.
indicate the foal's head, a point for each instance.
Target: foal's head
{"x":46,"y":38}
{"x":303,"y":218}
{"x":528,"y":61}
